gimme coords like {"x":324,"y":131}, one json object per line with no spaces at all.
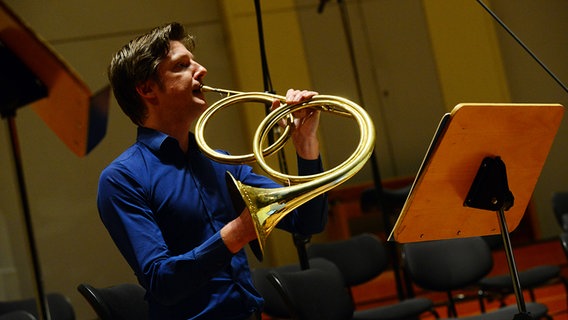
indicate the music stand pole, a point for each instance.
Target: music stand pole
{"x":490,"y":191}
{"x":40,"y":293}
{"x":512,"y":267}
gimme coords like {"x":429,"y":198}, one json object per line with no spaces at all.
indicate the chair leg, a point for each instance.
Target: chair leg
{"x":531,"y":295}
{"x":452,"y":311}
{"x":435,"y":313}
{"x":481,"y":297}
{"x":548,"y":317}
{"x":565,"y":283}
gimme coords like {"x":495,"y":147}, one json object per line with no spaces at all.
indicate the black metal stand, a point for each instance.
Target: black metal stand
{"x":18,"y":87}
{"x":380,"y":192}
{"x":490,"y":191}
{"x":40,"y":292}
{"x":300,"y":240}
{"x":523,"y":45}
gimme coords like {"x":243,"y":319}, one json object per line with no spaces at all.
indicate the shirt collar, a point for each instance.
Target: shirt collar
{"x":158,"y":141}
{"x":153,"y":139}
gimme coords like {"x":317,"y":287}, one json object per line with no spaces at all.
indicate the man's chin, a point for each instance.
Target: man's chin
{"x":201,"y":104}
{"x":199,"y":98}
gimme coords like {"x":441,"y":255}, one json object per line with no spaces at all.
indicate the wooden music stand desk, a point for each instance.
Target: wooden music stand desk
{"x":69,"y":109}
{"x":483,"y":158}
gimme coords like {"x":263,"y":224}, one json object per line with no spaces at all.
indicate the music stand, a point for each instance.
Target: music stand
{"x":478,"y":151}
{"x":33,"y":74}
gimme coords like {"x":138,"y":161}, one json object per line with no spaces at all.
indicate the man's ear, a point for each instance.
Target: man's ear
{"x":146,"y":89}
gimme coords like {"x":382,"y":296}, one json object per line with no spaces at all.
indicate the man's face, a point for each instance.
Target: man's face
{"x":179,"y":92}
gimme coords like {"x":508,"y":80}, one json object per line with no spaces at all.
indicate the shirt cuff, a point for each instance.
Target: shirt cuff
{"x":214,"y":254}
{"x":307,"y":167}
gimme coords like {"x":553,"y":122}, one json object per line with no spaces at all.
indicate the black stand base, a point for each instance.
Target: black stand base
{"x":300,"y":241}
{"x":523,"y":316}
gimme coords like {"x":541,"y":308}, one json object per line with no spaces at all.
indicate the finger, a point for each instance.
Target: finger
{"x":275,"y":104}
{"x":294,"y":96}
{"x":304,"y":113}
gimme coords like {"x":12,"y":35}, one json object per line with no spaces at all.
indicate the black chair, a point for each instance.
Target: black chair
{"x":274,"y":305}
{"x":119,"y":302}
{"x":319,"y":293}
{"x":360,"y":259}
{"x":560,"y":208}
{"x":18,"y":315}
{"x":457,"y":264}
{"x":564,"y":242}
{"x":314,"y":294}
{"x":499,"y":287}
{"x":59,"y":306}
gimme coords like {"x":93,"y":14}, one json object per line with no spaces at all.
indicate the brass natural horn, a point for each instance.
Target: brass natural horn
{"x":268,"y":206}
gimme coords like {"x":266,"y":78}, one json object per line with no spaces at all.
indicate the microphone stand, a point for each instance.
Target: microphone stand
{"x":525,"y":47}
{"x":300,"y":240}
{"x":522,"y":314}
{"x":380,"y":192}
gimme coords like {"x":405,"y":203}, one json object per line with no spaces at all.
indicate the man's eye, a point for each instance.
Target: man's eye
{"x":181,"y":66}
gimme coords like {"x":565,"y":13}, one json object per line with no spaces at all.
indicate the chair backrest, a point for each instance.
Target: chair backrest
{"x":274,"y":305}
{"x":315,"y":293}
{"x":119,"y":302}
{"x":359,"y":258}
{"x":564,"y":242}
{"x":560,"y":208}
{"x":18,"y":315}
{"x":445,"y":265}
{"x":391,"y":200}
{"x":60,"y":308}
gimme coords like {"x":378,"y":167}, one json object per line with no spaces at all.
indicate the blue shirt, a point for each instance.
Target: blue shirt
{"x":164,"y":210}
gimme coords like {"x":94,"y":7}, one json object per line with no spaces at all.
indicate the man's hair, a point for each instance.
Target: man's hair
{"x":138,"y":61}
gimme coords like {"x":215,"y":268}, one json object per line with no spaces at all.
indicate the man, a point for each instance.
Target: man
{"x":166,"y":205}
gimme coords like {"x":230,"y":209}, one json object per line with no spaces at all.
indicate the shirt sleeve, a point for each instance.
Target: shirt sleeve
{"x":131,"y":224}
{"x":310,"y":217}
